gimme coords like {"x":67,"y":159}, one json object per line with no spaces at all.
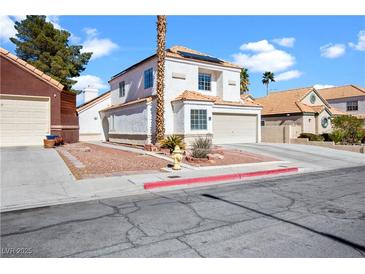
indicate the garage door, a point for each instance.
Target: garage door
{"x":24,"y":121}
{"x":233,"y":128}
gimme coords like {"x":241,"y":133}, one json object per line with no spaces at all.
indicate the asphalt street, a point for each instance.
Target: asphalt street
{"x":320,"y":214}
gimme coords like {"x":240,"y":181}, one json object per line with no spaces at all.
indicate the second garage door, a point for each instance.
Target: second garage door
{"x":24,"y":120}
{"x":234,"y":128}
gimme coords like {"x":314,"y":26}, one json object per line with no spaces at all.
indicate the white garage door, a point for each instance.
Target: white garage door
{"x":233,"y":128}
{"x":24,"y":120}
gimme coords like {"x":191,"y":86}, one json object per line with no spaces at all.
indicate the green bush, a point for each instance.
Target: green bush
{"x":327,"y":137}
{"x":171,"y":141}
{"x":337,"y":135}
{"x":311,"y":136}
{"x":351,"y":128}
{"x":201,"y":147}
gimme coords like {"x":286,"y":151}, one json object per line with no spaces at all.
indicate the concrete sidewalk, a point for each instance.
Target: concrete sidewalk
{"x":36,"y":177}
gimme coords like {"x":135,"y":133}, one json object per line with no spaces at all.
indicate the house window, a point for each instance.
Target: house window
{"x":262,"y":123}
{"x":352,"y":106}
{"x":198,"y":119}
{"x":122,"y":89}
{"x":148,"y":78}
{"x":324,"y":122}
{"x":205,"y":81}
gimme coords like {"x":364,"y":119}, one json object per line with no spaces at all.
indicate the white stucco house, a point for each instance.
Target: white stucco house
{"x":202,"y":98}
{"x":91,"y":128}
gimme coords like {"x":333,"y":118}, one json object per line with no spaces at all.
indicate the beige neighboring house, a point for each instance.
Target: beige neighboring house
{"x":349,"y":99}
{"x":303,"y":108}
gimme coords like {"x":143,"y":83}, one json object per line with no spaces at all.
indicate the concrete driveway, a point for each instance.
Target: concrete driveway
{"x":308,"y":158}
{"x":32,"y":173}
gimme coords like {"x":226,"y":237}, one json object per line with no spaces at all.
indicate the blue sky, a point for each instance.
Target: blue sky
{"x":324,"y":50}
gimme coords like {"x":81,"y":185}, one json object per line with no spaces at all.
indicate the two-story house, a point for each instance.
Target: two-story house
{"x":349,"y":99}
{"x":202,"y":98}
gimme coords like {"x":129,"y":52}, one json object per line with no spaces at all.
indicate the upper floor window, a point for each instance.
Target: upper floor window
{"x":148,"y":78}
{"x":352,"y":106}
{"x":122,"y":89}
{"x":198,"y":119}
{"x":205,"y":81}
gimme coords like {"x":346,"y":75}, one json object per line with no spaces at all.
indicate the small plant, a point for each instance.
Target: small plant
{"x":171,"y":141}
{"x":311,"y":136}
{"x":351,"y":128}
{"x":337,"y":135}
{"x":201,"y":147}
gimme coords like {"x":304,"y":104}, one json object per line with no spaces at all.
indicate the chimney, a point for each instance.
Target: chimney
{"x":90,"y":93}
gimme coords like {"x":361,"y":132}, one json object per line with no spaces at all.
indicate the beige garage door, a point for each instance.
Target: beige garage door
{"x":233,"y":128}
{"x":24,"y":120}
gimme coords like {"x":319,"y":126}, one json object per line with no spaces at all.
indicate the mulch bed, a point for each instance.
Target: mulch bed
{"x":104,"y":162}
{"x":232,"y":157}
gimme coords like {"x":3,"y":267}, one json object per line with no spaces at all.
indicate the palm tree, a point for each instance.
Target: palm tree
{"x":244,"y":80}
{"x":268,"y":77}
{"x":161,"y":43}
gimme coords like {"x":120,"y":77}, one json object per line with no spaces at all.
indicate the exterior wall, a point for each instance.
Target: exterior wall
{"x":17,"y":81}
{"x":283,"y":120}
{"x":319,"y":128}
{"x":280,"y":134}
{"x":309,"y":124}
{"x":90,"y":121}
{"x":318,"y":101}
{"x":181,"y":75}
{"x":134,"y":83}
{"x":129,"y":124}
{"x":341,"y":104}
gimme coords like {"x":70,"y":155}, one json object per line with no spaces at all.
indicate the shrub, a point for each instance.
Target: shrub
{"x":201,"y":147}
{"x":337,"y":135}
{"x":327,"y":137}
{"x":311,"y":136}
{"x":350,"y":126}
{"x":171,"y":141}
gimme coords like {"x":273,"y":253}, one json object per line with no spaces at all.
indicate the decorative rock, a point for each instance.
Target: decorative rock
{"x":85,"y":149}
{"x":165,"y":151}
{"x":150,"y":147}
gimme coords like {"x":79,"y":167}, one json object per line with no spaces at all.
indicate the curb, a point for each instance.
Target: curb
{"x":217,"y":178}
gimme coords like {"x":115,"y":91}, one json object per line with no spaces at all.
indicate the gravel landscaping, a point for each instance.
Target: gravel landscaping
{"x":90,"y":161}
{"x":232,"y":157}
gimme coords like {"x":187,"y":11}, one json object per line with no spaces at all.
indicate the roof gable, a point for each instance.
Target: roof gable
{"x":31,"y":69}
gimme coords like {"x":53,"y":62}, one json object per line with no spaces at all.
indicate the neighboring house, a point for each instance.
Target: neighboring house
{"x":349,"y":99}
{"x":202,"y":98}
{"x":303,"y":107}
{"x":33,"y":105}
{"x":89,"y":119}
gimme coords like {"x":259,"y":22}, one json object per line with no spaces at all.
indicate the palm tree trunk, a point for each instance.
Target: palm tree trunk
{"x":161,"y":43}
{"x":267,"y":89}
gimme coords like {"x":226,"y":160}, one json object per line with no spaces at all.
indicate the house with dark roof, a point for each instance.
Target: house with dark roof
{"x":33,"y":105}
{"x":349,"y":99}
{"x":303,"y":107}
{"x":202,"y":98}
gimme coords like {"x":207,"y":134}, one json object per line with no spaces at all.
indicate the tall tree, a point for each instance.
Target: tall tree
{"x":244,"y":80}
{"x":267,"y":78}
{"x":161,"y":53}
{"x":39,"y":43}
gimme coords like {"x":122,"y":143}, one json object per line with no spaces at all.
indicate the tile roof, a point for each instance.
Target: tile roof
{"x":282,"y":102}
{"x":139,"y":100}
{"x":336,"y":111}
{"x":341,"y":92}
{"x":41,"y":75}
{"x":188,"y":95}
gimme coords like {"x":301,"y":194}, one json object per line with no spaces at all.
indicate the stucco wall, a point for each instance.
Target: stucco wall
{"x":90,"y":121}
{"x":318,"y":101}
{"x":134,"y":83}
{"x":341,"y":104}
{"x":283,"y":120}
{"x":309,"y":124}
{"x":319,"y":128}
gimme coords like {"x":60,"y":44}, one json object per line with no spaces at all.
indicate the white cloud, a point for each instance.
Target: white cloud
{"x":258,"y":46}
{"x":360,"y":43}
{"x":98,"y":46}
{"x":321,"y":86}
{"x":333,"y":50}
{"x":285,"y":41}
{"x":288,"y":75}
{"x":88,"y":80}
{"x":7,"y":28}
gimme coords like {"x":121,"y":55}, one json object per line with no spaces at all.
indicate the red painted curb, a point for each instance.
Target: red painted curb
{"x":217,"y":178}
